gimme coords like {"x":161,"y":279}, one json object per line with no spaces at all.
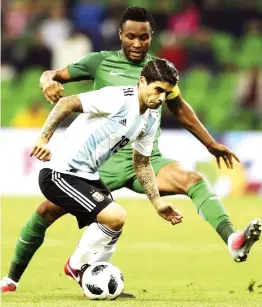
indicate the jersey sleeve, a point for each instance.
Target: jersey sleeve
{"x":145,"y":144}
{"x":102,"y":103}
{"x":86,"y":67}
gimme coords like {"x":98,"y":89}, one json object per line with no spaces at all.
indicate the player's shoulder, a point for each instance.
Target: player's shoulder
{"x":99,"y":55}
{"x":121,"y":95}
{"x":108,"y":53}
{"x":118,"y":92}
{"x":150,"y":57}
{"x":117,"y":98}
{"x":126,"y":90}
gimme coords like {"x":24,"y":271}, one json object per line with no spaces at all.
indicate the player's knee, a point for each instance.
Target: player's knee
{"x":113,"y":216}
{"x":116,"y":218}
{"x":193,"y":178}
{"x":43,"y":208}
{"x":119,"y":219}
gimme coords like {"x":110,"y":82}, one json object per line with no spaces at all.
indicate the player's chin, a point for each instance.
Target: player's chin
{"x":136,"y":58}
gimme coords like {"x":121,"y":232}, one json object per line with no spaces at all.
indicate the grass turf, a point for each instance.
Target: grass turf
{"x":186,"y":265}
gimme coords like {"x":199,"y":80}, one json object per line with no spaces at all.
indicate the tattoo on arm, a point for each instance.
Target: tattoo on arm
{"x":63,"y":108}
{"x":145,"y":175}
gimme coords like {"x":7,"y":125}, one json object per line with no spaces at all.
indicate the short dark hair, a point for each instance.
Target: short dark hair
{"x":137,"y":13}
{"x":160,"y":70}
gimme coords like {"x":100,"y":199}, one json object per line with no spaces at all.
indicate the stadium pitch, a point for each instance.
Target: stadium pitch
{"x":186,"y":265}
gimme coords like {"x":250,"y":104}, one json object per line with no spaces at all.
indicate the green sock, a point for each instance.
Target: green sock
{"x":211,"y":209}
{"x":31,"y":237}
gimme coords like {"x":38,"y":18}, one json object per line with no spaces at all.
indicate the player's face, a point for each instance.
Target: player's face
{"x":155,"y":93}
{"x":136,"y":38}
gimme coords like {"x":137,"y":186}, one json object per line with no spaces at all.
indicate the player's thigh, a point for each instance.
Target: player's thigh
{"x":171,"y":177}
{"x":112,"y":172}
{"x":80,"y":197}
{"x":157,"y":162}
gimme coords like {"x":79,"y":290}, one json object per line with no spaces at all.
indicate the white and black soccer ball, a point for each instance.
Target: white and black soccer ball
{"x":102,"y":281}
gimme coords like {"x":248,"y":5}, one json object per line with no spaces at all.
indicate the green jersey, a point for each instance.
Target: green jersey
{"x":110,"y":68}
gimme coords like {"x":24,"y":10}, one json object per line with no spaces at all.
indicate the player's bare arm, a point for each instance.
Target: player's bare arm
{"x":59,"y":113}
{"x":185,"y":114}
{"x":146,"y":177}
{"x":51,"y":83}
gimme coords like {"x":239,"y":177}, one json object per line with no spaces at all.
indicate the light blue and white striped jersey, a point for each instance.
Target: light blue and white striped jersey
{"x":111,"y":120}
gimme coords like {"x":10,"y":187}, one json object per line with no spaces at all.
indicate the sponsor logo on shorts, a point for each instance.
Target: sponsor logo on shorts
{"x":98,"y":196}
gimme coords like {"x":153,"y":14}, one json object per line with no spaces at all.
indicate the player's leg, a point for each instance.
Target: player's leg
{"x":85,"y":200}
{"x":108,"y":222}
{"x":173,"y":179}
{"x":99,"y":239}
{"x":30,"y":239}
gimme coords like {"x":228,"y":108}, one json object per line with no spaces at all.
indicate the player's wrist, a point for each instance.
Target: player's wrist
{"x":210,"y":144}
{"x":43,"y":139}
{"x":156,"y":202}
{"x":159,"y":205}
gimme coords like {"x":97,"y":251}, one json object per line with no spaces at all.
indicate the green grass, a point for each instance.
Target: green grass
{"x":185,"y":265}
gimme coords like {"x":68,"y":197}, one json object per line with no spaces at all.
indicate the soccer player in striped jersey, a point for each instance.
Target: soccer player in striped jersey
{"x":123,"y":67}
{"x":71,"y":180}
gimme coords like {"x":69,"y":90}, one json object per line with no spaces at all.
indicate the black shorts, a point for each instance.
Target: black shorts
{"x":80,"y":197}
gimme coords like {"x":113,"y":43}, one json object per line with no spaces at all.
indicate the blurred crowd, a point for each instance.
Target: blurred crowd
{"x":215,"y":44}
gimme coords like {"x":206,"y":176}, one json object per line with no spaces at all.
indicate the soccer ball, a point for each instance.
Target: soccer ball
{"x":102,"y":281}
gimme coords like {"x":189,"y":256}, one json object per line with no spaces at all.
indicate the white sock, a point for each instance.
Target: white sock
{"x":97,"y":244}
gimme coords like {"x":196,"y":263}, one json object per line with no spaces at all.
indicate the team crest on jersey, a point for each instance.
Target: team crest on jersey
{"x":98,"y":196}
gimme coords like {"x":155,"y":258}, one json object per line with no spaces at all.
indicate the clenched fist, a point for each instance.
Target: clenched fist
{"x":41,"y":151}
{"x":53,"y":91}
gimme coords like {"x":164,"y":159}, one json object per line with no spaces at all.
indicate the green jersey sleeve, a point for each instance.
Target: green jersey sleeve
{"x":86,"y":67}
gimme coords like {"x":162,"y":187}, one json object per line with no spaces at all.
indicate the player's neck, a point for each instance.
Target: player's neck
{"x":142,"y":106}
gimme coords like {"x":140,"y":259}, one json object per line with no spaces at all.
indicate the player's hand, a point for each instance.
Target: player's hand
{"x":221,"y":151}
{"x":52,"y":91}
{"x":41,"y":151}
{"x":169,"y":212}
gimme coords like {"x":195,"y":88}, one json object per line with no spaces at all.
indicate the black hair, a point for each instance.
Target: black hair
{"x":137,"y":13}
{"x":160,"y":70}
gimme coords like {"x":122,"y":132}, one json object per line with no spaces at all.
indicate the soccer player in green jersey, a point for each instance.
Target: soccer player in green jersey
{"x":123,"y":68}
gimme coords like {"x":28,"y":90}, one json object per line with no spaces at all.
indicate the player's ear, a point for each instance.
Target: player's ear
{"x":120,"y":34}
{"x":142,"y":81}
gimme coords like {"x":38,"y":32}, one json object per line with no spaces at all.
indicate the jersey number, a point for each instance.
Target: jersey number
{"x":128,"y":91}
{"x":122,"y":143}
